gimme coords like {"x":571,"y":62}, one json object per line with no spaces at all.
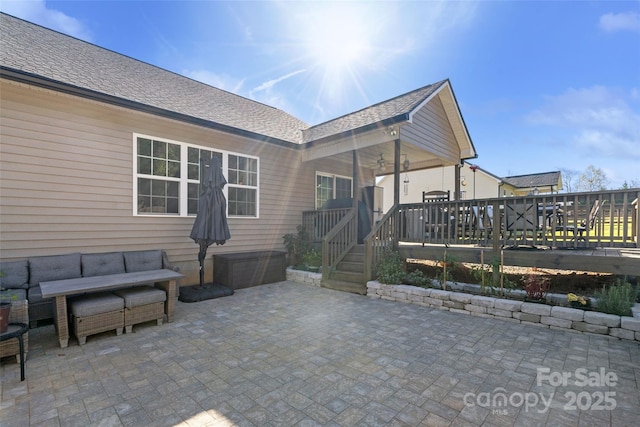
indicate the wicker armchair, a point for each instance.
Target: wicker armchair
{"x":20,"y":314}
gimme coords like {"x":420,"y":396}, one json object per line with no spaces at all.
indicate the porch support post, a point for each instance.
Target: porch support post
{"x":456,"y":183}
{"x":356,"y":178}
{"x":355,"y":187}
{"x":396,"y":172}
{"x":396,"y":185}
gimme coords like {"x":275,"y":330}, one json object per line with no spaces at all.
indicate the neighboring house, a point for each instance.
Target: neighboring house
{"x":478,"y":184}
{"x":535,"y":183}
{"x":100,"y":152}
{"x":475,"y":183}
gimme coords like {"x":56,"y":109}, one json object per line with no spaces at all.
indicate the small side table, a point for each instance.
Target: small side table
{"x":17,"y":330}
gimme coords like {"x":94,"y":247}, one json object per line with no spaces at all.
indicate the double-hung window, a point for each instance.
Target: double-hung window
{"x":331,"y":187}
{"x":167,"y":178}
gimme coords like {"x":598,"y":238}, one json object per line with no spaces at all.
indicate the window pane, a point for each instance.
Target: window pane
{"x":144,"y":186}
{"x":160,"y":149}
{"x":233,"y":177}
{"x":159,"y":167}
{"x":343,"y":188}
{"x":193,"y":171}
{"x":144,"y":165}
{"x":174,"y":169}
{"x":242,"y":202}
{"x":158,"y":205}
{"x":173,"y":189}
{"x":193,"y":155}
{"x":144,"y":204}
{"x":324,"y":190}
{"x":144,"y":147}
{"x":174,"y":152}
{"x":172,"y":205}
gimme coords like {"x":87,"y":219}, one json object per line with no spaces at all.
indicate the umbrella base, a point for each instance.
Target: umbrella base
{"x":197,"y":293}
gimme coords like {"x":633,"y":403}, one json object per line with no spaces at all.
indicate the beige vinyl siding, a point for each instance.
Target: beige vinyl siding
{"x":66,"y":181}
{"x":431,"y":131}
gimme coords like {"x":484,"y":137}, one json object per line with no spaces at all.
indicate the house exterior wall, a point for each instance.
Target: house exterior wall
{"x":486,"y":186}
{"x":66,"y":181}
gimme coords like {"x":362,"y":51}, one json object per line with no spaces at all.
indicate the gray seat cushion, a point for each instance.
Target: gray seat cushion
{"x":15,"y":275}
{"x":13,"y":295}
{"x":143,"y":260}
{"x":142,"y":295}
{"x":88,"y":305}
{"x":54,"y":267}
{"x":34,"y":295}
{"x":102,"y":264}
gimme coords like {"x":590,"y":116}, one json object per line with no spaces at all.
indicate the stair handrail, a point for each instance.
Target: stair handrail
{"x":381,"y":237}
{"x":337,"y":243}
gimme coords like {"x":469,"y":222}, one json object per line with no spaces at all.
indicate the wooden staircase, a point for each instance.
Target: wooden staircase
{"x":349,"y":273}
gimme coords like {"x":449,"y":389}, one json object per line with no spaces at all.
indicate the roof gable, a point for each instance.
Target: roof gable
{"x":398,"y":107}
{"x":544,"y":179}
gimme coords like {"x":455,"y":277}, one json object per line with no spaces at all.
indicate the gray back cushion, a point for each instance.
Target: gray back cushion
{"x":55,"y":267}
{"x":15,"y":275}
{"x":102,"y":264}
{"x":143,"y":260}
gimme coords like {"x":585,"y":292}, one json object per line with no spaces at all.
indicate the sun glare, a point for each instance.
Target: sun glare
{"x":336,"y":39}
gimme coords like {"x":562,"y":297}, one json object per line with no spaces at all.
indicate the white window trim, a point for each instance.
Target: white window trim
{"x":329,"y":175}
{"x":184,"y":181}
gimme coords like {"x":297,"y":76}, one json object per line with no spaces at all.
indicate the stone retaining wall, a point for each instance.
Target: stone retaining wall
{"x":300,"y":276}
{"x":542,"y":315}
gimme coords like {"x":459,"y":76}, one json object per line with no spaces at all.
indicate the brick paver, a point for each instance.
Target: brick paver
{"x":288,"y":354}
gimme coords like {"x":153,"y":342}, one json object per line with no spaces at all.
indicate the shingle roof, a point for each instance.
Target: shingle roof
{"x":544,"y":179}
{"x":32,"y":50}
{"x":29,"y":48}
{"x":392,"y":108}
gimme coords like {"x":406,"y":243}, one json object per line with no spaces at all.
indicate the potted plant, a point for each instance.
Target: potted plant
{"x":536,"y":288}
{"x":5,"y":311}
{"x":5,"y":308}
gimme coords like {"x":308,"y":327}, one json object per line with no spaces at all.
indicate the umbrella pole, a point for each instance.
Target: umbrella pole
{"x":201,"y":255}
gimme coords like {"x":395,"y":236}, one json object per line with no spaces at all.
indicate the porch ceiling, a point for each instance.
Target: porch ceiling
{"x":369,"y":155}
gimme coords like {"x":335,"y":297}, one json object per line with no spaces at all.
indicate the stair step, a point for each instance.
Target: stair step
{"x":338,"y":285}
{"x":348,"y":276}
{"x":352,"y":266}
{"x":351,"y":257}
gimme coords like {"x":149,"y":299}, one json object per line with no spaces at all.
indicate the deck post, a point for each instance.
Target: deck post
{"x":636,"y":222}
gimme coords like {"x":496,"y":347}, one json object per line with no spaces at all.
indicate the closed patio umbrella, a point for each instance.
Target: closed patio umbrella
{"x":210,"y":225}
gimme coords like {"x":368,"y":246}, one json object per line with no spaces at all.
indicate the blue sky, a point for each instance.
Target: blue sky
{"x":541,"y":85}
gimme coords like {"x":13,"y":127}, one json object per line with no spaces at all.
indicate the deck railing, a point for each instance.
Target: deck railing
{"x":318,"y":223}
{"x":570,"y":220}
{"x":594,"y":219}
{"x":384,"y":235}
{"x":338,"y":242}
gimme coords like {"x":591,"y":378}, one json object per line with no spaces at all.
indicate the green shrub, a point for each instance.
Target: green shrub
{"x":389,"y":270}
{"x":297,"y":244}
{"x":312,"y":258}
{"x":416,"y":278}
{"x":617,"y":299}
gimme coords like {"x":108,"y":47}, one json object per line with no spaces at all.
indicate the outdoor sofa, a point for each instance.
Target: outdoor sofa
{"x":20,"y":280}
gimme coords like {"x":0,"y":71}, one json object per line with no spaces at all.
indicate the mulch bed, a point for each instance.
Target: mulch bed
{"x":561,"y":281}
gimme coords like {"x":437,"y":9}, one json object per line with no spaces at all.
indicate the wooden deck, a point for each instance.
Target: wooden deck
{"x":619,"y":261}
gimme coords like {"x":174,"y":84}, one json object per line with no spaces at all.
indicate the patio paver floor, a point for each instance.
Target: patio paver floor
{"x":288,"y":354}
